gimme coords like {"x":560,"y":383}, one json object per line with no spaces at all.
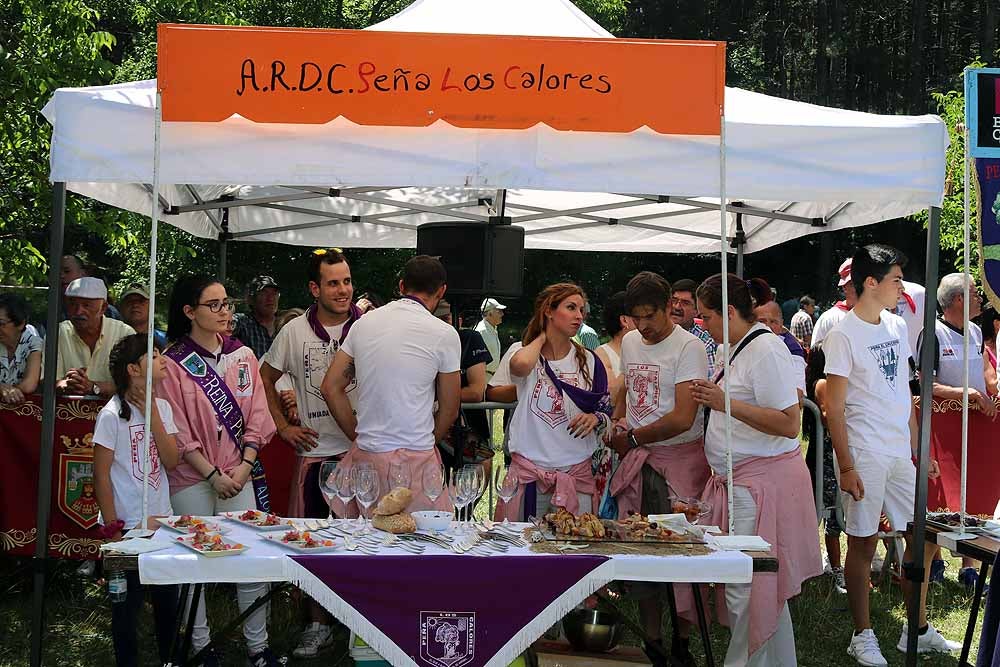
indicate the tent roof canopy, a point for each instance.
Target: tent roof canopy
{"x":795,"y":168}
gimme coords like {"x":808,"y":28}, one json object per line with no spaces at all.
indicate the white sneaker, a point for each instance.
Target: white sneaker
{"x":826,"y":564}
{"x":864,"y":648}
{"x":877,"y":564}
{"x":839,"y":583}
{"x":931,"y":641}
{"x":315,"y":639}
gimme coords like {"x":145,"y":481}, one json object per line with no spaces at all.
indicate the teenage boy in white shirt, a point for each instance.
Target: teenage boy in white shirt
{"x":304,"y":349}
{"x":874,"y":431}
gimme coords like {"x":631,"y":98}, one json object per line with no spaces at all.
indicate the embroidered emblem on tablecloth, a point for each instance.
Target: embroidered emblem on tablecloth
{"x":447,"y":639}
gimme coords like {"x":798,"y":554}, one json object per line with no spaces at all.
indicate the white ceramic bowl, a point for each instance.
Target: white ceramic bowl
{"x":435,"y":520}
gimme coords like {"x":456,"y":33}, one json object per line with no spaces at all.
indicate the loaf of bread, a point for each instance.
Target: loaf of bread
{"x":394,"y":502}
{"x":395,"y":523}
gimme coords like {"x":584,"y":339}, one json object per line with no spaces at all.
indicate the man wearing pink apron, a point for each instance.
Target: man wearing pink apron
{"x":401,"y":357}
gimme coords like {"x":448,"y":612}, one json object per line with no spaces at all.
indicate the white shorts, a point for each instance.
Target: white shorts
{"x":890,"y":487}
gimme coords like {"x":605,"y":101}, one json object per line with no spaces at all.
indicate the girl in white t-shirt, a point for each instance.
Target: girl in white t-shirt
{"x":562,"y":408}
{"x":772,"y":493}
{"x":118,"y":478}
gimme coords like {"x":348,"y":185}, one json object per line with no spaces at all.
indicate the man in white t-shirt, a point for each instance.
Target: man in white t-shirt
{"x":660,"y":444}
{"x":832,"y":317}
{"x":873,"y":427}
{"x":401,"y":356}
{"x":949,"y":376}
{"x":303,"y":350}
{"x":910,"y":307}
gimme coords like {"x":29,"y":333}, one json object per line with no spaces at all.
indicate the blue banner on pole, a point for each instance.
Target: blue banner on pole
{"x":982,"y":112}
{"x":988,"y":187}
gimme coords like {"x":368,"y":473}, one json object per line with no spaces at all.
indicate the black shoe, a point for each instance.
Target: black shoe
{"x":680,"y":653}
{"x":265,"y":658}
{"x":211,"y":659}
{"x":657,"y":653}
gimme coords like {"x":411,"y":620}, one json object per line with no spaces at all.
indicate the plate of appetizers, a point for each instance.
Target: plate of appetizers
{"x":258,"y":520}
{"x":303,"y":541}
{"x":211,"y":545}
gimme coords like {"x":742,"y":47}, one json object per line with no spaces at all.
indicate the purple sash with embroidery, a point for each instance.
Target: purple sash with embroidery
{"x":190,"y":356}
{"x":593,"y":400}
{"x":320,"y":330}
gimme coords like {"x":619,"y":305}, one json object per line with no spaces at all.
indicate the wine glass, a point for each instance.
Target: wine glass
{"x":366,"y":491}
{"x":328,"y":483}
{"x":507,"y":484}
{"x":468,"y":491}
{"x":433,"y":482}
{"x":478,"y":473}
{"x":399,"y":476}
{"x":344,"y":481}
{"x":454,"y":492}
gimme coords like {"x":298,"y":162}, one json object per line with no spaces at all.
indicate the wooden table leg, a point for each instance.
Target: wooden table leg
{"x":974,"y":613}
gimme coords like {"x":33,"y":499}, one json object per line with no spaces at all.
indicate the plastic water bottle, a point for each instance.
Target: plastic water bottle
{"x":117,"y":586}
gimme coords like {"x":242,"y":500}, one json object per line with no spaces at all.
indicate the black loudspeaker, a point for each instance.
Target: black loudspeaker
{"x":481,"y":259}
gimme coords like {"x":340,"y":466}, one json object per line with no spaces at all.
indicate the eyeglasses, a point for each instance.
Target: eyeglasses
{"x":322,"y":251}
{"x":217,"y":306}
{"x":681,"y":302}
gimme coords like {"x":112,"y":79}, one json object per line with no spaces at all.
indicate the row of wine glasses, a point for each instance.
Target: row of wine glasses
{"x":464,"y":486}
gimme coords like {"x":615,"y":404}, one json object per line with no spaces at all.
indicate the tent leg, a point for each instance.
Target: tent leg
{"x":41,"y":557}
{"x":914,"y":570}
{"x":739,"y":260}
{"x":740,"y":241}
{"x":222,"y":259}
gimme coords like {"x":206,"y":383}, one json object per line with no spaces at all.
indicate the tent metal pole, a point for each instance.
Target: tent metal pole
{"x":44,"y":501}
{"x":740,"y":240}
{"x":224,"y":237}
{"x":914,"y":570}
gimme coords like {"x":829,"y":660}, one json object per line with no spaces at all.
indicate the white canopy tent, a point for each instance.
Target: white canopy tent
{"x":790,"y":169}
{"x":797,"y":168}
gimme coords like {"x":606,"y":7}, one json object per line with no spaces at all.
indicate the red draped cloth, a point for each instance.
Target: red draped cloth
{"x":982,"y":485}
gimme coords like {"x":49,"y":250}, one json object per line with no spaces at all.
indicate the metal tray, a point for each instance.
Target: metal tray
{"x":550,"y":536}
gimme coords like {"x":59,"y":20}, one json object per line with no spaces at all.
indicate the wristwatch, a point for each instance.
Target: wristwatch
{"x":632,"y":442}
{"x":95,"y":390}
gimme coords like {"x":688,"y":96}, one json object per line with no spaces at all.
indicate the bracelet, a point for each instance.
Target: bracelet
{"x":214,"y":471}
{"x":254,"y":446}
{"x":246,"y":460}
{"x":847,"y":469}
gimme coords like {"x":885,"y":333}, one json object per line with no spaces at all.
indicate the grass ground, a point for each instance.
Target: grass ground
{"x":79,"y":626}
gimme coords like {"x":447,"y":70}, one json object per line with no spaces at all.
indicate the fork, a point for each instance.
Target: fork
{"x":394,"y":542}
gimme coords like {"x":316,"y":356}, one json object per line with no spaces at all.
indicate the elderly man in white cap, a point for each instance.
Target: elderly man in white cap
{"x":86,"y":339}
{"x":492,"y":311}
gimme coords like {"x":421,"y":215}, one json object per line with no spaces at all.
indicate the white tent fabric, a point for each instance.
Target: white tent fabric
{"x":826,"y":166}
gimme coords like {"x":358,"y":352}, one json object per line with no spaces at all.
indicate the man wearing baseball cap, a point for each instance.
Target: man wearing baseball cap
{"x":256,"y":328}
{"x":86,"y":339}
{"x":492,"y":312}
{"x":839,"y":311}
{"x":134,"y":303}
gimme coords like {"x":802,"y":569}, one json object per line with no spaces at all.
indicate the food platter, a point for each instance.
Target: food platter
{"x":636,"y":529}
{"x":192,"y":524}
{"x":302,"y":542}
{"x":258,"y":520}
{"x":944,"y":520}
{"x":211,"y":545}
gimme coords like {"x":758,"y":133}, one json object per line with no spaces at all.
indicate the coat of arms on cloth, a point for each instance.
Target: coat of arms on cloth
{"x":447,"y":639}
{"x":244,"y":383}
{"x":195,"y":365}
{"x":77,"y":498}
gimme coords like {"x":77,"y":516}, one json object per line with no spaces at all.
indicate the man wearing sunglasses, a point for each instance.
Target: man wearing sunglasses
{"x":256,"y":328}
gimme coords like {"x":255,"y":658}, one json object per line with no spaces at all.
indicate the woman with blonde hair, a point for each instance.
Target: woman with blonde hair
{"x":562,"y":412}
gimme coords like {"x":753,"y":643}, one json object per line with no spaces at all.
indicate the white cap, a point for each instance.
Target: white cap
{"x":491,"y":304}
{"x":87,"y":288}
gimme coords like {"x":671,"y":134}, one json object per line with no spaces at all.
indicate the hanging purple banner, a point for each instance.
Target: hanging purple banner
{"x":450,"y":611}
{"x":988,"y":187}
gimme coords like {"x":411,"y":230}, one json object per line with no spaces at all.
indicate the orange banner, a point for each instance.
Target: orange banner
{"x":278,"y":75}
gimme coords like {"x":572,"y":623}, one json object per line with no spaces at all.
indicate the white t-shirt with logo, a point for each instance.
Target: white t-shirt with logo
{"x":125,"y":440}
{"x":398,"y":351}
{"x":651,"y":373}
{"x":875,"y":360}
{"x":950,"y":370}
{"x":764,"y":375}
{"x":305,"y":358}
{"x":538,"y":429}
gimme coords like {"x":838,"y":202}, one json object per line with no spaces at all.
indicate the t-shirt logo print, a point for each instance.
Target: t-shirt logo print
{"x":887,"y":357}
{"x":137,"y":432}
{"x":547,"y":400}
{"x":644,"y":389}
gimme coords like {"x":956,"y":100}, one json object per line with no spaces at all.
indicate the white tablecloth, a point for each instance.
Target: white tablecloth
{"x":264,"y":561}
